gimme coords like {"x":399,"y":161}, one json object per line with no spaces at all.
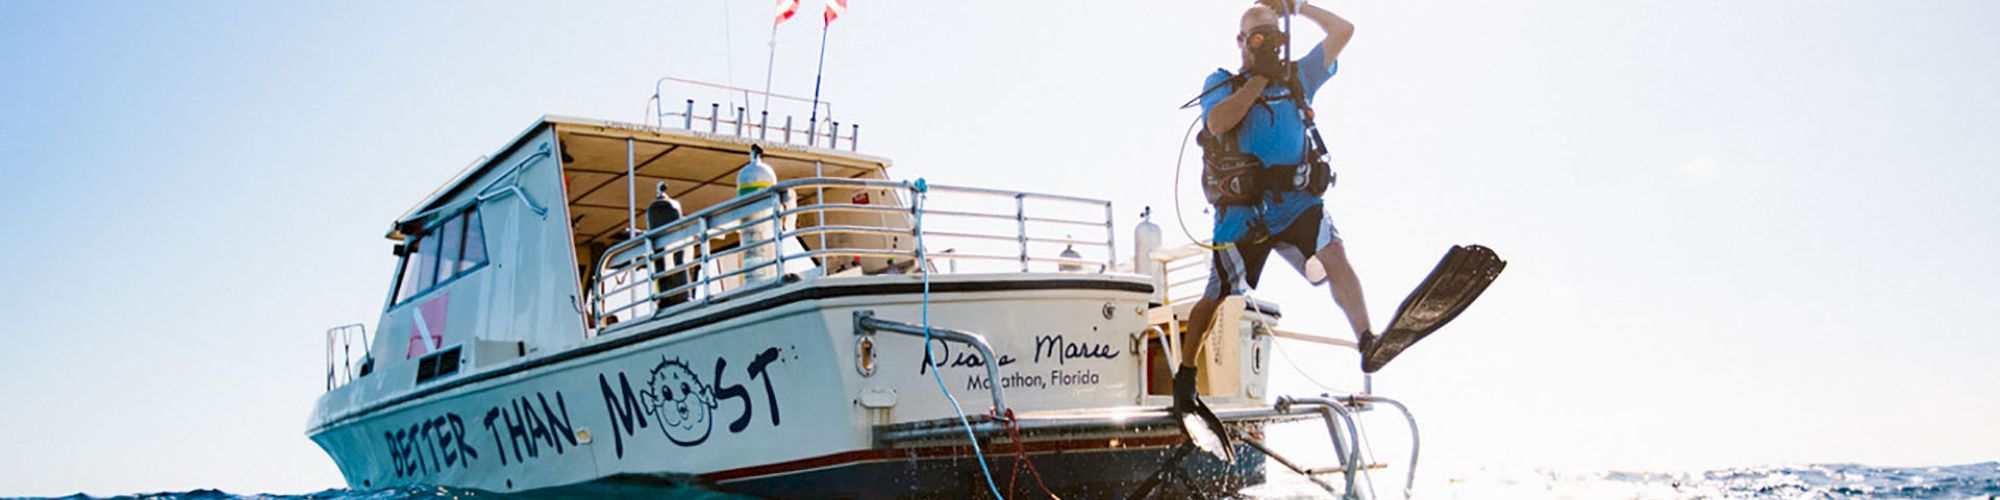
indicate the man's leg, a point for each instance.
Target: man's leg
{"x":1227,"y":267}
{"x":1198,"y":325}
{"x":1346,"y":286}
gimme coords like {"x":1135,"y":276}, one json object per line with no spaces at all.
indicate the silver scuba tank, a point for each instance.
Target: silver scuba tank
{"x":757,"y":236}
{"x":1145,"y":241}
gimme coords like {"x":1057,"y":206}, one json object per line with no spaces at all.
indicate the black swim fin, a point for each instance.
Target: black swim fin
{"x":1205,"y":431}
{"x":1457,"y":280}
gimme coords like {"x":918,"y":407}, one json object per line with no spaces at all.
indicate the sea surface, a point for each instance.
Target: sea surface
{"x":1981,"y":480}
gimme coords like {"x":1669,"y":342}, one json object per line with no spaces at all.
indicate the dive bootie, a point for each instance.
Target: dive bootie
{"x":1366,"y":344}
{"x":1200,"y":424}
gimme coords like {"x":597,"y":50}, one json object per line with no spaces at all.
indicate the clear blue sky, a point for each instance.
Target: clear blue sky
{"x":1740,"y":232}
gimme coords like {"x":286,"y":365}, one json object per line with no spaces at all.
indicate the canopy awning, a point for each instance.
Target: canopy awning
{"x":610,"y":185}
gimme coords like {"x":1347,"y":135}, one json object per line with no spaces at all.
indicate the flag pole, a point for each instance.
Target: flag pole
{"x":814,"y":121}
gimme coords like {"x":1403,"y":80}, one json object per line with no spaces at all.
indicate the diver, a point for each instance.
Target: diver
{"x":1264,"y":171}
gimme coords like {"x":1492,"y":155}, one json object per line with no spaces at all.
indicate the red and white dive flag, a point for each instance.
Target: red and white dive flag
{"x":785,"y":10}
{"x":427,"y":326}
{"x":834,"y":8}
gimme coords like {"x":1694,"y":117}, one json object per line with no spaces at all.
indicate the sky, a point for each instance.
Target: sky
{"x":1739,"y":232}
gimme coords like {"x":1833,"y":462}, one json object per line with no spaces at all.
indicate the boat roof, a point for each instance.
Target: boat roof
{"x":698,"y":167}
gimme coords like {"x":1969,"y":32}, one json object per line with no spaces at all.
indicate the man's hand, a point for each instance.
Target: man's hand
{"x":1283,"y":7}
{"x":1274,"y":69}
{"x":1230,"y":111}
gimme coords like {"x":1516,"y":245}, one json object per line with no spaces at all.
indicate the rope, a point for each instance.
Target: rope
{"x":1275,"y":345}
{"x":1021,"y":457}
{"x":1368,"y":448}
{"x":922,"y":190}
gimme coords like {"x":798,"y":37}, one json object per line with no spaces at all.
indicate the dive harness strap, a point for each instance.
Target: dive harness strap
{"x":1233,"y":177}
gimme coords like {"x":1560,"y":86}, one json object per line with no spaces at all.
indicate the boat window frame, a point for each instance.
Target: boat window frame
{"x":428,"y":254}
{"x":402,"y":278}
{"x":462,"y":217}
{"x":475,"y":227}
{"x":451,"y":241}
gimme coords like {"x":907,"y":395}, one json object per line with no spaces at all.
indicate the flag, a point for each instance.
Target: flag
{"x":785,"y":10}
{"x":834,"y":8}
{"x":427,"y":326}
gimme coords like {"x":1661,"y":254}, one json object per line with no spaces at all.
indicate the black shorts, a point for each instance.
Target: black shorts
{"x":1235,"y":269}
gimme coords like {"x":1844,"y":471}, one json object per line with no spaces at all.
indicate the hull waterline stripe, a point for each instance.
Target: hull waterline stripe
{"x":731,"y":311}
{"x":958,"y":451}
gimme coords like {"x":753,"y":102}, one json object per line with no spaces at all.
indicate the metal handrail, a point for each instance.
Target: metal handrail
{"x":1410,"y":481}
{"x":771,"y":213}
{"x":1143,"y":346}
{"x":1350,"y":453}
{"x":865,"y":323}
{"x":1190,"y":261}
{"x":340,"y":369}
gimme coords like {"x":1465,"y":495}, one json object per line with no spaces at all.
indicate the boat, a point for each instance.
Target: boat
{"x":838,"y":333}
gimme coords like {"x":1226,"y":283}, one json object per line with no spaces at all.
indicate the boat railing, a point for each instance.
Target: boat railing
{"x":1183,"y":273}
{"x":343,"y":365}
{"x":769,"y":237}
{"x":819,"y":128}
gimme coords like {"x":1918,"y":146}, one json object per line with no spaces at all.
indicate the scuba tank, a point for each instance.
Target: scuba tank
{"x":753,"y":177}
{"x":756,"y":174}
{"x":662,"y":212}
{"x":1145,"y":241}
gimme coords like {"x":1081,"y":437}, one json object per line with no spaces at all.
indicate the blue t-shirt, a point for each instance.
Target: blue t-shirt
{"x":1273,"y":131}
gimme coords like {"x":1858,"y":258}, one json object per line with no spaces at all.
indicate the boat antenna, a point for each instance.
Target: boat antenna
{"x":729,"y":52}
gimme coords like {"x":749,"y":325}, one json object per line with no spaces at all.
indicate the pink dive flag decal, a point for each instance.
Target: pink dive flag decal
{"x":427,"y":326}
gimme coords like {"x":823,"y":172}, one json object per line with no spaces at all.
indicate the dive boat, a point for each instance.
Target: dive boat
{"x":772,"y":341}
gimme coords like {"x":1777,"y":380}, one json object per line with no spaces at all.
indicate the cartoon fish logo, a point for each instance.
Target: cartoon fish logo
{"x":681,"y":402}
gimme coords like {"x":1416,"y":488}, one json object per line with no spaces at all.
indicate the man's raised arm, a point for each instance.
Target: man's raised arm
{"x":1338,"y":31}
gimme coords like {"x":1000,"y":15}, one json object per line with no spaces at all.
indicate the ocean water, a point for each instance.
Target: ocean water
{"x":1981,"y":480}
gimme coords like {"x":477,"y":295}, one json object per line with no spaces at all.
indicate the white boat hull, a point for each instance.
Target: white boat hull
{"x":763,"y":385}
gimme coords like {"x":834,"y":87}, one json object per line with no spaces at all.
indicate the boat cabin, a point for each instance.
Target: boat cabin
{"x":476,"y":255}
{"x":547,"y":244}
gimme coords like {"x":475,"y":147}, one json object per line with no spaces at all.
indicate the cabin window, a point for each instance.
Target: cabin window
{"x":475,"y":242}
{"x":427,"y":252}
{"x":441,"y":252}
{"x":407,"y":285}
{"x":453,"y":238}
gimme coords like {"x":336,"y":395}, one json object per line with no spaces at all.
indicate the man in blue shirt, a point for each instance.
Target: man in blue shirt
{"x":1263,"y":117}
